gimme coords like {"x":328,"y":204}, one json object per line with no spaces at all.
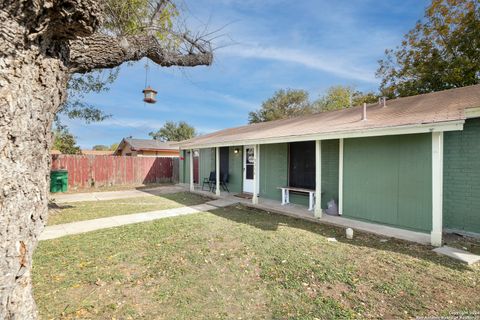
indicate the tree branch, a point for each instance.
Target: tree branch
{"x":102,"y":51}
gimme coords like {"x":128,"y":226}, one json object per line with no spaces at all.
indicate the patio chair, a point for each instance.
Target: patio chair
{"x":223,"y":182}
{"x":209,"y":181}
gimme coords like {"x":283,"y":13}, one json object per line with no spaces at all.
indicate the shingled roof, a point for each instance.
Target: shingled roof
{"x":424,"y":113}
{"x":149,"y":144}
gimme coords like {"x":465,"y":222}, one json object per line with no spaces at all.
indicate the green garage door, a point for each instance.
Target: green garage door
{"x":388,"y":180}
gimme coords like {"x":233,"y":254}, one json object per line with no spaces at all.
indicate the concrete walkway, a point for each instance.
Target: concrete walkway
{"x":110,"y":195}
{"x":61,"y":230}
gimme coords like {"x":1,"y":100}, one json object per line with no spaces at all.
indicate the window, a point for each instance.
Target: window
{"x":302,"y":164}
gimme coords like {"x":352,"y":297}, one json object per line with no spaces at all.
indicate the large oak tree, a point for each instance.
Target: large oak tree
{"x":42,"y":43}
{"x":441,"y":52}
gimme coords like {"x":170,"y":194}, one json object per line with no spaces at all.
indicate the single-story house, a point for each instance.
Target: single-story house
{"x":146,"y":148}
{"x":412,"y":163}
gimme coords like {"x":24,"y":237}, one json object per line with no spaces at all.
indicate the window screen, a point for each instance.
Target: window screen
{"x":302,"y":164}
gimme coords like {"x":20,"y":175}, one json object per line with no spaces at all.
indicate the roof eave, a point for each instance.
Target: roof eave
{"x":456,"y":125}
{"x":158,"y":150}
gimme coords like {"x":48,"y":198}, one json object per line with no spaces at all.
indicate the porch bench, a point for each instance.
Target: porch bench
{"x":286,"y":195}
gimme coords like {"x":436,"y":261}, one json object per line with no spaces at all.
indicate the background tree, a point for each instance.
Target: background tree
{"x":78,"y":87}
{"x":441,"y":52}
{"x":284,"y":104}
{"x":173,"y":131}
{"x":101,"y":147}
{"x":113,"y":146}
{"x":65,"y":142}
{"x":342,"y":97}
{"x":42,"y":44}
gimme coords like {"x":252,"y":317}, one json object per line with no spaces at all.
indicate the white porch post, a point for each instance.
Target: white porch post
{"x":217,"y":171}
{"x":437,"y":189}
{"x":255,"y":174}
{"x":192,"y":187}
{"x":318,"y":179}
{"x":340,"y":177}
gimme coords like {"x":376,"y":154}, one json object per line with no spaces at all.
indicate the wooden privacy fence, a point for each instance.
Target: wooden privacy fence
{"x":85,"y":171}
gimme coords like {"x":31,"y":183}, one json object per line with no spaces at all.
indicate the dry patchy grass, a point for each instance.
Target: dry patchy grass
{"x":87,"y":210}
{"x":235,"y":263}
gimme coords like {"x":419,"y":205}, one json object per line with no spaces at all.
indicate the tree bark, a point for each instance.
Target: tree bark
{"x":32,"y":86}
{"x":41,"y":43}
{"x":102,"y":51}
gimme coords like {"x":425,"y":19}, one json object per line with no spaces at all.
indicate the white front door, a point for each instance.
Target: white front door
{"x":248,"y":168}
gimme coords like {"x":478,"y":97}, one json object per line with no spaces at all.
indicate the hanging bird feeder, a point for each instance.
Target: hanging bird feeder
{"x":149,"y":95}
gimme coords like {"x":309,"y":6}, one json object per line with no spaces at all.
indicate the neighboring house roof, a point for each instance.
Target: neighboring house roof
{"x":148,"y":144}
{"x":438,"y":111}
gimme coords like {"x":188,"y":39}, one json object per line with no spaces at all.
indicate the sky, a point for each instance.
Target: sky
{"x":263,"y":46}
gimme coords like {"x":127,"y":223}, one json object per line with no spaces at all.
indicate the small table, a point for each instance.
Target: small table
{"x":286,"y":195}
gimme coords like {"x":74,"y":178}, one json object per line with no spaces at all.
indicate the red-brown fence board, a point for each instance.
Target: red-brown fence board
{"x":86,"y":171}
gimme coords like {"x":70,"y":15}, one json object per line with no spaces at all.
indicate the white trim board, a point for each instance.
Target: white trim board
{"x":400,"y":130}
{"x":472,"y":113}
{"x":340,"y":176}
{"x":318,"y":179}
{"x":437,"y":189}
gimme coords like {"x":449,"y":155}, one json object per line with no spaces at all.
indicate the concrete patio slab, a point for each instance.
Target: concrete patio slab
{"x":221,"y":203}
{"x":111,"y":195}
{"x":458,"y":254}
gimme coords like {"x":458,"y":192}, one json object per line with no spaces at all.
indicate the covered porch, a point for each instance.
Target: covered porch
{"x":301,"y":212}
{"x":391,"y":182}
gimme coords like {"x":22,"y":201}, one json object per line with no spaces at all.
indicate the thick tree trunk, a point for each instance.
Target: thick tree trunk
{"x":32,"y":86}
{"x":41,"y":44}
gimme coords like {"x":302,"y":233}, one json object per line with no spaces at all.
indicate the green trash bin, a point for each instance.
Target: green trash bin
{"x":58,"y":181}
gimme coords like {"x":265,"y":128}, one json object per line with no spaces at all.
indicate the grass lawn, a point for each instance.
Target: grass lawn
{"x":78,"y":211}
{"x":235,"y":263}
{"x":117,"y":187}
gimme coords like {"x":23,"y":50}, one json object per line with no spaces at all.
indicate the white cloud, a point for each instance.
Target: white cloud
{"x":318,"y":62}
{"x":231,"y":100}
{"x":144,"y":125}
{"x":130,"y":123}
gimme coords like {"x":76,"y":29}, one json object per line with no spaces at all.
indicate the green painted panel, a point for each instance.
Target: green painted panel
{"x":330,"y":155}
{"x":273,"y":169}
{"x":461,"y":182}
{"x":185,"y":173}
{"x":235,"y":170}
{"x":274,"y":172}
{"x":415,"y":182}
{"x":388,"y":180}
{"x":299,"y":198}
{"x":206,"y":163}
